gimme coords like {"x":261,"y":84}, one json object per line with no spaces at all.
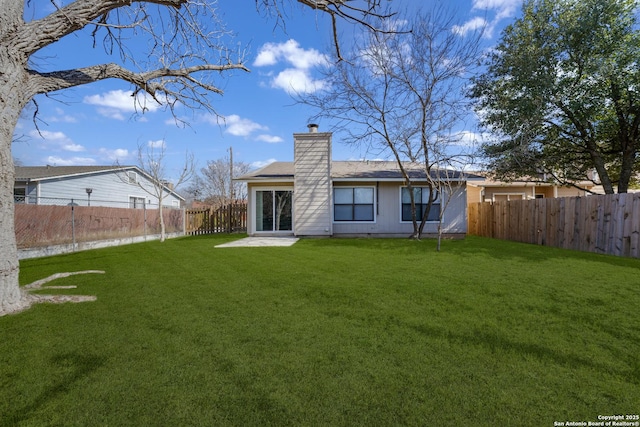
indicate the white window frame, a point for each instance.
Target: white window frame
{"x":135,"y":201}
{"x":252,"y":214}
{"x":132,"y":177}
{"x":373,"y":204}
{"x":523,"y":196}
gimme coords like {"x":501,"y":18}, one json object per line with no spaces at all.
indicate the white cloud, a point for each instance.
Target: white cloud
{"x":238,"y":126}
{"x":271,"y":139}
{"x":49,"y":136}
{"x":503,"y":8}
{"x":61,"y":117}
{"x":467,"y":139}
{"x":59,"y":139}
{"x":469,"y":26}
{"x":291,"y":52}
{"x":73,"y":147}
{"x":297,"y":78}
{"x":156,"y":144}
{"x":117,"y":155}
{"x":293,"y":80}
{"x":115,"y":103}
{"x":73,"y":161}
{"x":261,"y":163}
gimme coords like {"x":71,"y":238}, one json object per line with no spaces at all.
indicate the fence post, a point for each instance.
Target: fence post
{"x":73,"y":226}
{"x":144,"y":208}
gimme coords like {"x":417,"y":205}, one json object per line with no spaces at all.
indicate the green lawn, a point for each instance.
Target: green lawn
{"x":326,"y":332}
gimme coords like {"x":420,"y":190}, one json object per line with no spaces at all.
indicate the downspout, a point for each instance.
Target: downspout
{"x":377,"y":198}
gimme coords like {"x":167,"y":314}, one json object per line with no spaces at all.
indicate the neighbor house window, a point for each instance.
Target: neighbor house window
{"x":421,"y":200}
{"x":133,"y":177}
{"x":353,"y":203}
{"x":136,"y":202}
{"x":19,"y":195}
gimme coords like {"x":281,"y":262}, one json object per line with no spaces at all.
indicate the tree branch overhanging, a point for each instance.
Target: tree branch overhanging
{"x":149,"y":81}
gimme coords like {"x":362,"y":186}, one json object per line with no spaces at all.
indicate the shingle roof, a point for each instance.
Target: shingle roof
{"x":43,"y":172}
{"x":357,"y":170}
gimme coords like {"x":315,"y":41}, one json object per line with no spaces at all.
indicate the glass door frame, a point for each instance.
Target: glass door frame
{"x":253,"y":216}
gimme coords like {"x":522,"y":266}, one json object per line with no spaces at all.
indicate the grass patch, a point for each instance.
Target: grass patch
{"x":326,"y":332}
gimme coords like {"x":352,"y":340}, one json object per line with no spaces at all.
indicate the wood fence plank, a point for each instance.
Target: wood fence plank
{"x":626,"y":216}
{"x":227,"y":219}
{"x":634,"y":233}
{"x":607,"y":224}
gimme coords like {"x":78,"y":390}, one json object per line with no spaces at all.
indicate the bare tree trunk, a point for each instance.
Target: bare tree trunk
{"x":11,"y":104}
{"x":162,"y":230}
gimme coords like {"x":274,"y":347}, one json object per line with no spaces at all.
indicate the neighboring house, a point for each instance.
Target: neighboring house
{"x":487,"y":190}
{"x":315,"y":196}
{"x":113,"y":186}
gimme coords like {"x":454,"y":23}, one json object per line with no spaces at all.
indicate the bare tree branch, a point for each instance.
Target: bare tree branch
{"x":36,"y":34}
{"x":149,"y":81}
{"x":402,"y":93}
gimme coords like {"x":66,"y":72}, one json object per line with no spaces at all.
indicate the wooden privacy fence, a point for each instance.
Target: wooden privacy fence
{"x":605,"y":224}
{"x":49,"y":225}
{"x":227,"y":219}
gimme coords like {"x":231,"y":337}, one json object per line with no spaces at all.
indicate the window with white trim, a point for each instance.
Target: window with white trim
{"x":133,"y":177}
{"x":353,"y":204}
{"x":136,"y":202}
{"x":421,"y":200}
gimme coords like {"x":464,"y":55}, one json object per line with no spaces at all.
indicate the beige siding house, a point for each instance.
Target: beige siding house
{"x":316,"y":196}
{"x":487,"y":190}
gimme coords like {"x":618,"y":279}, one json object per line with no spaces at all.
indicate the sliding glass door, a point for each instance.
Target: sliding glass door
{"x":273,"y":210}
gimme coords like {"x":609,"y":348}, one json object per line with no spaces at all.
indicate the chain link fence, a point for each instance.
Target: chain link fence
{"x":42,"y":222}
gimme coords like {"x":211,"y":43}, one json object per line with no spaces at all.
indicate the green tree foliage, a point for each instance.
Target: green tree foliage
{"x":561,"y":93}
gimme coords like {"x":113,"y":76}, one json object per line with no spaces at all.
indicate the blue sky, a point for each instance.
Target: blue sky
{"x":95,"y":124}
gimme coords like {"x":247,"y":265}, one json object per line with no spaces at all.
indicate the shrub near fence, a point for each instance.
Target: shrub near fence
{"x":47,"y":225}
{"x":605,"y":224}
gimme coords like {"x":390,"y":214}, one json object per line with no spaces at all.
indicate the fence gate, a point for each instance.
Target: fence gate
{"x":227,"y":219}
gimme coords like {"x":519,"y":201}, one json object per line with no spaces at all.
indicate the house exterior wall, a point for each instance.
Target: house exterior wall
{"x":474,"y":194}
{"x":570,"y":192}
{"x":110,"y":189}
{"x":312,"y":207}
{"x":520,"y":192}
{"x":388,"y":213}
{"x":508,"y":193}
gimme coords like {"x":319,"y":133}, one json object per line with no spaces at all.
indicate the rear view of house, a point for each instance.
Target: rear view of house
{"x":316,"y":196}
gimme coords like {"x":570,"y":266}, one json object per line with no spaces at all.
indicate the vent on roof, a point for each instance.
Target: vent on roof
{"x":313,"y":128}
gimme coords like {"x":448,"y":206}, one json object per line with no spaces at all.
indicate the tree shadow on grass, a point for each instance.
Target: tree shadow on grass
{"x":497,"y":343}
{"x":508,"y":250}
{"x":74,"y":367}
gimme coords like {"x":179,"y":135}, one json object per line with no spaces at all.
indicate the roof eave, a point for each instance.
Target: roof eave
{"x":265,"y":179}
{"x":73,"y":175}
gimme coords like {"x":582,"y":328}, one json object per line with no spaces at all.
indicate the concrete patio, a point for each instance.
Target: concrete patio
{"x":257,"y":242}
